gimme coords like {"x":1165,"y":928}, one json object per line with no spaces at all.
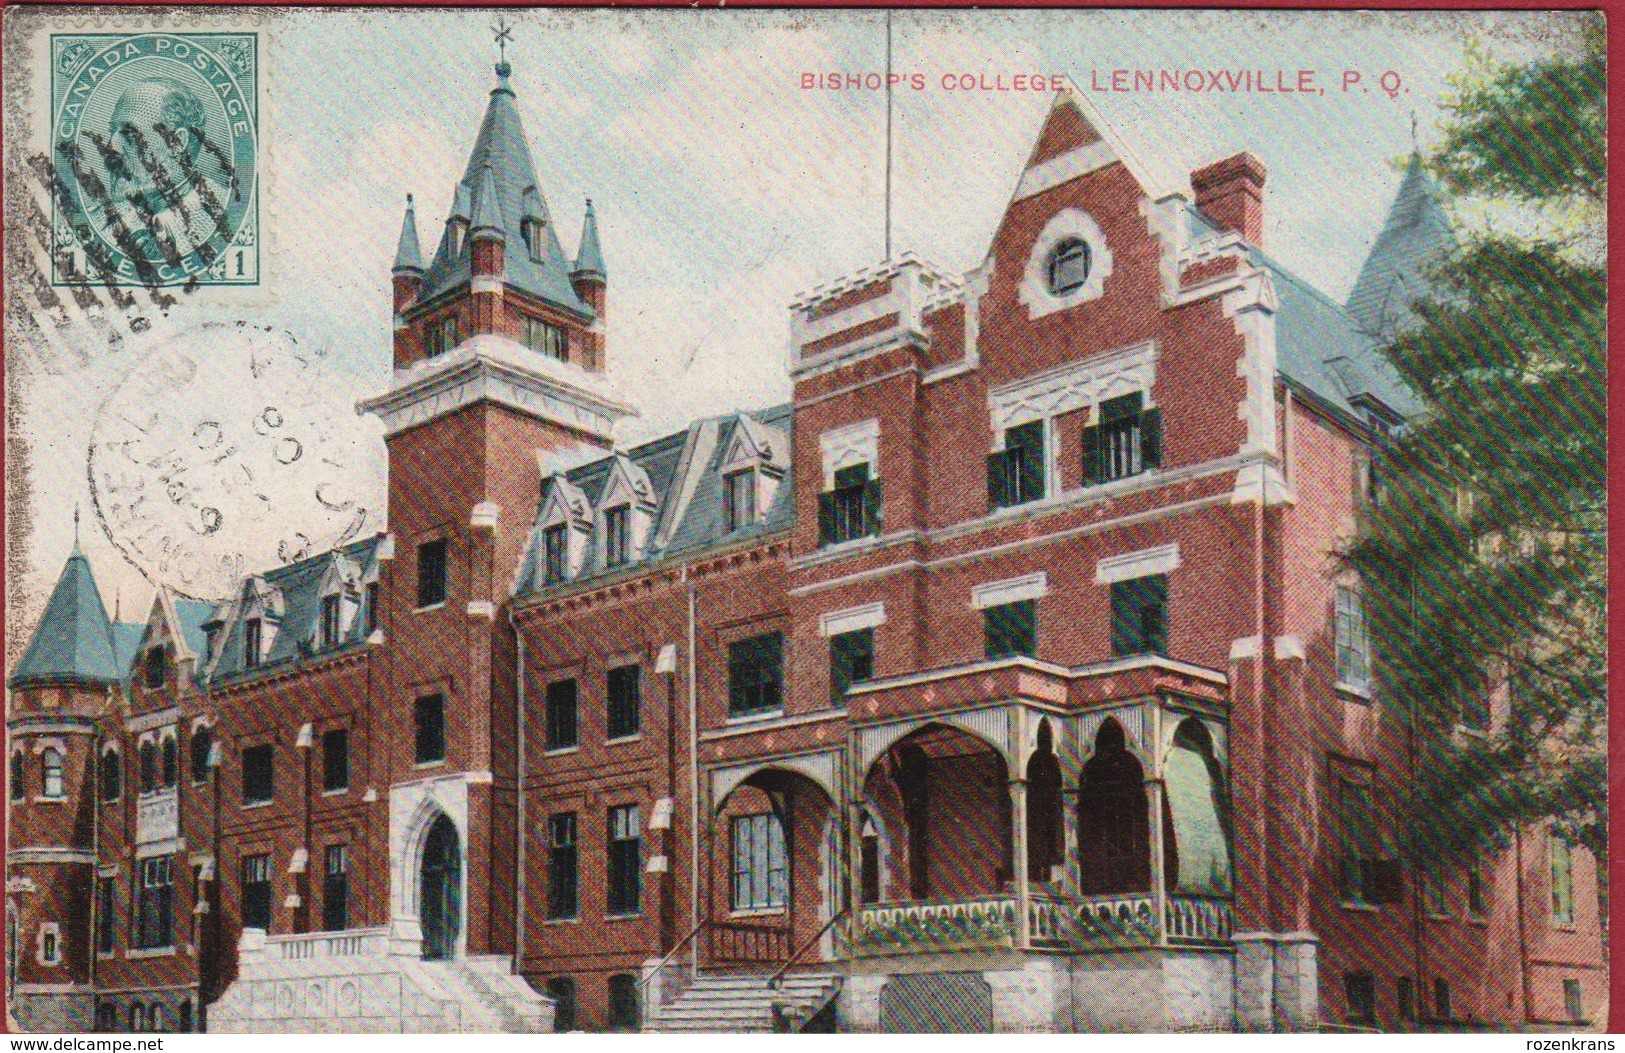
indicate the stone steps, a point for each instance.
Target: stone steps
{"x":733,"y":1004}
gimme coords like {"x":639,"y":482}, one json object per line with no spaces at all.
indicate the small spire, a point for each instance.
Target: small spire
{"x":590,"y":257}
{"x":487,"y":207}
{"x":408,"y":256}
{"x":1415,"y":148}
{"x":76,"y":550}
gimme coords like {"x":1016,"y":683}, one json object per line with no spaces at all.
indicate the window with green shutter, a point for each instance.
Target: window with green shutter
{"x":1015,"y":474}
{"x":1012,"y":629}
{"x":1140,"y":616}
{"x":756,"y":674}
{"x":1126,"y":441}
{"x":1562,"y":880}
{"x":851,"y":510}
{"x":851,"y":661}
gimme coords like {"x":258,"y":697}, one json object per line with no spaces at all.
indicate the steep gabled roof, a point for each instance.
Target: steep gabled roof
{"x":73,"y":643}
{"x":502,"y":156}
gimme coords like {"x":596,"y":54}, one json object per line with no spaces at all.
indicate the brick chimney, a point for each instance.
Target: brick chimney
{"x":1231,"y":193}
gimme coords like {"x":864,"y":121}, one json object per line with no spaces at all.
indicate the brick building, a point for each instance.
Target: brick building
{"x":1001,"y":680}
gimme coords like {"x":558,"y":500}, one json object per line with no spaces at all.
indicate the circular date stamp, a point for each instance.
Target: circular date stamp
{"x":217,"y":456}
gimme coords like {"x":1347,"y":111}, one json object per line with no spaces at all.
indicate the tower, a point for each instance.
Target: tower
{"x":499,"y":365}
{"x":60,"y":693}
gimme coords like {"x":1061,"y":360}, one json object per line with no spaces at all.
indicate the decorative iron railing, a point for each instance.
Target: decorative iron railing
{"x":743,"y":941}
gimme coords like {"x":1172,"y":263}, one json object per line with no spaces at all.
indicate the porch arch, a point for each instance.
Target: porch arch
{"x":1198,"y":803}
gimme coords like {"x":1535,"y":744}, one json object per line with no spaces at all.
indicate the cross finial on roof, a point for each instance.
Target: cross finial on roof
{"x":504,"y":36}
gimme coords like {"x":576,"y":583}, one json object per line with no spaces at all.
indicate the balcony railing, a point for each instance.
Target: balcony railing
{"x":1053,"y":923}
{"x":350,"y":943}
{"x":740,"y":941}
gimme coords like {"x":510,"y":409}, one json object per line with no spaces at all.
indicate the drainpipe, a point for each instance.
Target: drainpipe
{"x":693,"y":765}
{"x":1523,"y":935}
{"x":519,"y":796}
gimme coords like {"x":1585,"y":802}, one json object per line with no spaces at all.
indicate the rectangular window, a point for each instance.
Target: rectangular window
{"x":1126,"y":442}
{"x":625,"y":860}
{"x":370,"y":613}
{"x":106,"y":914}
{"x":1477,"y":894}
{"x":851,"y":661}
{"x":336,"y":888}
{"x":760,"y":873}
{"x":617,"y":535}
{"x":1358,"y":835}
{"x":561,"y":715}
{"x":253,"y":637}
{"x":1574,"y":1001}
{"x":550,"y":340}
{"x":556,"y":553}
{"x":563,"y":899}
{"x":1407,"y":998}
{"x":1011,"y":629}
{"x":756,"y":674}
{"x":1353,"y":667}
{"x":257,"y":892}
{"x":739,"y":499}
{"x":1360,"y":989}
{"x":625,"y":688}
{"x":1562,"y":880}
{"x":1140,"y":616}
{"x":1015,"y":474}
{"x":1441,"y":998}
{"x":259,"y":774}
{"x":330,"y":621}
{"x":852,"y":509}
{"x":336,"y":760}
{"x":432,"y":573}
{"x":157,"y":667}
{"x":155,"y":903}
{"x":1435,"y":891}
{"x":430,"y":723}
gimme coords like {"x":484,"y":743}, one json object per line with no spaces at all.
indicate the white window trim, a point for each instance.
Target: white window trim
{"x":1141,"y":564}
{"x":1035,"y":292}
{"x":852,"y":619}
{"x":1011,"y":590}
{"x":848,"y":445}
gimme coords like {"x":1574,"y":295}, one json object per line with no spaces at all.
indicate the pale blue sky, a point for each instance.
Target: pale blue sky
{"x":723,"y":188}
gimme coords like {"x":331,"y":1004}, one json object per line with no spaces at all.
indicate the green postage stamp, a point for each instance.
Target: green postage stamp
{"x":155,"y":158}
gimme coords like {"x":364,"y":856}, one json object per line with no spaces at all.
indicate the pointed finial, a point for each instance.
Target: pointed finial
{"x":76,"y":528}
{"x":504,"y":36}
{"x":1415,"y":149}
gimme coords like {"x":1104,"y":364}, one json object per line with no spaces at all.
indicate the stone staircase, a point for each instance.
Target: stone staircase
{"x":352,"y":983}
{"x":735,"y":1003}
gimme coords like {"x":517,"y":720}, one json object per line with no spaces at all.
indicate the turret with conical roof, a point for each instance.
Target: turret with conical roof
{"x":1416,"y":234}
{"x":407,"y":286}
{"x":73,"y":643}
{"x":590,"y":279}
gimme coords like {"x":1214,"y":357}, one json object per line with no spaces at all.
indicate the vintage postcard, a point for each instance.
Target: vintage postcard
{"x":826,"y":520}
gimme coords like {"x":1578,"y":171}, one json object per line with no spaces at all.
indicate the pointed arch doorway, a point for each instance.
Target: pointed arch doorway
{"x":440,"y":894}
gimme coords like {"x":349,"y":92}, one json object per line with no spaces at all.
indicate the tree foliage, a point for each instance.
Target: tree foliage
{"x":1485,"y":562}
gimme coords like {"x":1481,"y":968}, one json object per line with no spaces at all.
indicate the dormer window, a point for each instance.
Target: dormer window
{"x":155,"y":667}
{"x":531,"y":229}
{"x":253,"y":637}
{"x":617,"y":535}
{"x":556,"y":553}
{"x":459,"y":227}
{"x":739,"y":499}
{"x":545,"y":338}
{"x":331,"y":612}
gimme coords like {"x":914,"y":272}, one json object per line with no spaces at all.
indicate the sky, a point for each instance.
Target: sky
{"x":723,"y":188}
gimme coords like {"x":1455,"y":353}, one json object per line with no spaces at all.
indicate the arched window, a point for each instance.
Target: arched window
{"x":138,"y":1017}
{"x":51,"y":770}
{"x":623,"y":1003}
{"x":152,"y":1017}
{"x":562,"y":990}
{"x":202,"y":743}
{"x":112,"y":775}
{"x":19,"y":776}
{"x":171,"y":753}
{"x":186,"y":1016}
{"x":149,"y":766}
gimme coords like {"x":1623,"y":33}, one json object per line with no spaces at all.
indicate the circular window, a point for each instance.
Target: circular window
{"x":1068,"y":266}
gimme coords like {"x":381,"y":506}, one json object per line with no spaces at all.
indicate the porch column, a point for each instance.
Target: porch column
{"x":1069,"y":832}
{"x":1159,"y":885}
{"x":1018,"y":861}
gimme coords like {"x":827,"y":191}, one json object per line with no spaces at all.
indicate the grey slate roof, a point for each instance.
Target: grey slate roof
{"x":408,"y":256}
{"x":590,"y":256}
{"x":1416,"y":232}
{"x":192,"y":615}
{"x":298,"y":587}
{"x":685,"y":472}
{"x":73,"y":642}
{"x":501,"y":147}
